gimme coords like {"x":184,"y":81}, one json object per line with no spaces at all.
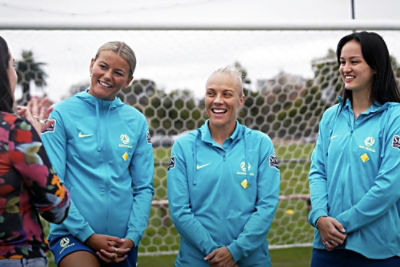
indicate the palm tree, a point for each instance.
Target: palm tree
{"x":28,"y":70}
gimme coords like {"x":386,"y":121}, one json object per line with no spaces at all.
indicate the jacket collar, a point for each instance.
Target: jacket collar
{"x":206,"y":133}
{"x":375,"y":107}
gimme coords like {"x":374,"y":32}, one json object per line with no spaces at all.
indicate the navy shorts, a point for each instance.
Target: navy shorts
{"x":63,"y":245}
{"x":348,"y":258}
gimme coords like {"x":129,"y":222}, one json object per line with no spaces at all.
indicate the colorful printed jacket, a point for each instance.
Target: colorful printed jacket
{"x":28,"y":187}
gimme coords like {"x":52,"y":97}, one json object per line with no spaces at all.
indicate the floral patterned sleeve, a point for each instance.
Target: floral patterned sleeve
{"x":28,"y":156}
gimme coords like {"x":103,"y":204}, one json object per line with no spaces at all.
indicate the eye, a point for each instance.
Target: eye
{"x":103,"y":66}
{"x":210,"y":93}
{"x":342,"y":62}
{"x":228,"y":94}
{"x":119,"y":73}
{"x":15,"y":64}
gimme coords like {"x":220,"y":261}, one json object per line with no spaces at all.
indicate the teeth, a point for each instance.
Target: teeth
{"x":105,"y":84}
{"x":218,"y":110}
{"x":349,"y":77}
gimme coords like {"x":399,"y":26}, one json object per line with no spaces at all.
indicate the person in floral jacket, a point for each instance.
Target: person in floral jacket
{"x":28,"y":184}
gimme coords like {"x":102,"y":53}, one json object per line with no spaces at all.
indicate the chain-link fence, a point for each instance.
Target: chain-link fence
{"x":291,"y":77}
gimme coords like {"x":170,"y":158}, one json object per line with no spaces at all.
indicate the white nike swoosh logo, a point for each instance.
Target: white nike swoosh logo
{"x":198,"y":167}
{"x":333,"y":137}
{"x":81,"y":135}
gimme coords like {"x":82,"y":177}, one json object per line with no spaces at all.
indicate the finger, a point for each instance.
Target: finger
{"x":122,"y":258}
{"x":45,"y":107}
{"x":337,"y":236}
{"x":109,"y":255}
{"x":33,"y":106}
{"x":123,"y":251}
{"x":111,"y":243}
{"x":102,"y":257}
{"x":210,"y":256}
{"x":328,"y":245}
{"x":114,"y":239}
{"x":340,"y":227}
{"x":214,"y":260}
{"x":21,"y":110}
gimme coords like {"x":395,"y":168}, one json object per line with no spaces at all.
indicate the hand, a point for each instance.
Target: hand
{"x":220,"y":257}
{"x":332,"y":232}
{"x":109,"y":248}
{"x":119,"y":252}
{"x":36,"y":112}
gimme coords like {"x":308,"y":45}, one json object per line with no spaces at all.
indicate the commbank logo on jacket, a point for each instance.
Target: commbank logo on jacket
{"x":124,"y":140}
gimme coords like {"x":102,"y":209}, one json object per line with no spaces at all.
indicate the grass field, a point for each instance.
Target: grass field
{"x":292,"y":257}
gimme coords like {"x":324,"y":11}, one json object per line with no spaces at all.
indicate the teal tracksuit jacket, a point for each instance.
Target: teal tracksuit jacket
{"x":355,"y":177}
{"x":101,"y":150}
{"x":223,"y":195}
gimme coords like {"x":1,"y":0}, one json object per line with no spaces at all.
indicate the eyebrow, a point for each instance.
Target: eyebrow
{"x":351,"y":57}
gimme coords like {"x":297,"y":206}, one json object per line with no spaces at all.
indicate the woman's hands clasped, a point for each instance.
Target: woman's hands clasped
{"x":110,"y":248}
{"x":332,"y":232}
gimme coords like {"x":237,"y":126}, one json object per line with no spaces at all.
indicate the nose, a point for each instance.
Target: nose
{"x":107,"y":74}
{"x":346,"y":67}
{"x":218,"y":99}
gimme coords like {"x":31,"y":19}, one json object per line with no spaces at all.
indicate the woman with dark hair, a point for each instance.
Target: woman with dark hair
{"x":354,"y":176}
{"x":28,"y":184}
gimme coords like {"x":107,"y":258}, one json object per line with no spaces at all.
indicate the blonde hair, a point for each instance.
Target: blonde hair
{"x":234,"y":73}
{"x":121,"y":49}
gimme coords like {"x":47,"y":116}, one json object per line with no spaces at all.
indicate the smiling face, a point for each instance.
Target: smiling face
{"x":109,"y":73}
{"x":356,"y":74}
{"x":223,"y":99}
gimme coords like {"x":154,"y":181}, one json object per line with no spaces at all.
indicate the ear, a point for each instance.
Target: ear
{"x":241,"y":100}
{"x":129,"y":81}
{"x":91,"y":66}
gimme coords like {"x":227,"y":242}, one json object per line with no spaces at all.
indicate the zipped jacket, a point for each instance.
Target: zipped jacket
{"x":355,"y":177}
{"x":223,"y":195}
{"x":101,"y":150}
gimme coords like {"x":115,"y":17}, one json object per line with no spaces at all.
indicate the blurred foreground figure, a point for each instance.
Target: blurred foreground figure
{"x":28,"y":183}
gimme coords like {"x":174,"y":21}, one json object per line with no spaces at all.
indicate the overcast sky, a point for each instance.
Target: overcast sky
{"x":195,"y":10}
{"x":184,"y":59}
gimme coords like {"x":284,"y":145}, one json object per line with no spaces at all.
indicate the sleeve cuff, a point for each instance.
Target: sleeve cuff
{"x":85,"y":234}
{"x":133,"y":237}
{"x":235,"y":251}
{"x":315,"y":214}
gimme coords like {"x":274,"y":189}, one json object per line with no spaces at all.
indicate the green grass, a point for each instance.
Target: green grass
{"x":291,"y":257}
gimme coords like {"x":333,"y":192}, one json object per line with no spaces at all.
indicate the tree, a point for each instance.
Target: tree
{"x":28,"y":71}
